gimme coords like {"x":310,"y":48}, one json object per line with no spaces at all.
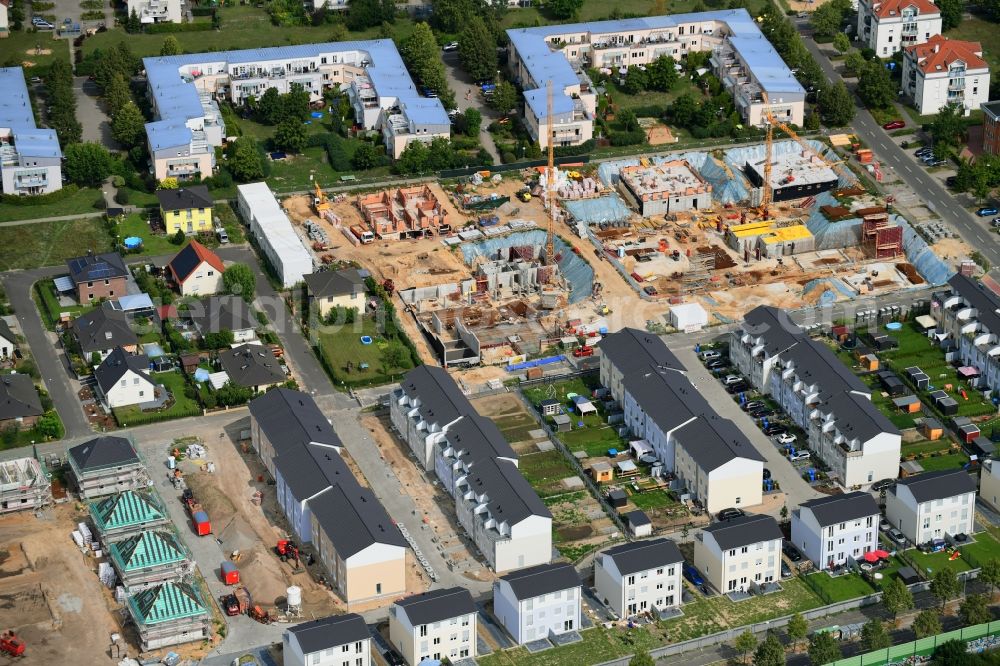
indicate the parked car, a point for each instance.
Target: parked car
{"x":751,"y":405}
{"x":884,"y":484}
{"x":737,"y":388}
{"x":894,"y":125}
{"x":710,"y":355}
{"x":896,"y":536}
{"x":926,"y":150}
{"x":951,"y":181}
{"x":799,"y":455}
{"x":716,"y":364}
{"x":786,"y":571}
{"x":987,"y":211}
{"x":884,"y":525}
{"x":791,"y":552}
{"x":933,"y":546}
{"x":450,"y":46}
{"x":785,"y":438}
{"x":762,"y":413}
{"x":693,"y":576}
{"x":961,"y":537}
{"x":767,"y":474}
{"x":650,"y":290}
{"x":730,"y":513}
{"x":732,"y":379}
{"x":995,"y":222}
{"x":221,"y":234}
{"x":393,"y":658}
{"x":775,"y":429}
{"x":937,"y":163}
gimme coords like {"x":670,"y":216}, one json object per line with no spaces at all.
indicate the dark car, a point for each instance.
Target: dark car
{"x":776,"y":429}
{"x":987,"y":211}
{"x":393,"y":658}
{"x":786,"y":571}
{"x":762,"y":413}
{"x":894,"y":125}
{"x":730,"y":513}
{"x":751,"y":405}
{"x":960,"y":537}
{"x":650,"y":290}
{"x":737,"y":388}
{"x":951,"y":181}
{"x":896,"y":536}
{"x":884,"y":484}
{"x":693,"y":576}
{"x":791,"y":552}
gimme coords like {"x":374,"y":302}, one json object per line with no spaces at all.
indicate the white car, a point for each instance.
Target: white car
{"x":732,"y":379}
{"x":450,"y":46}
{"x":710,"y":355}
{"x":799,"y":455}
{"x":785,"y":438}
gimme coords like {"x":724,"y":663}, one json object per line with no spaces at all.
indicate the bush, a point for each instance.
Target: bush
{"x":40,"y":199}
{"x":122,"y":197}
{"x":161,"y":28}
{"x":202,"y":11}
{"x":630,"y":138}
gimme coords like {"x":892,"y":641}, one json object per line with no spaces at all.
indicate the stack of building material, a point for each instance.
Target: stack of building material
{"x":107,"y":574}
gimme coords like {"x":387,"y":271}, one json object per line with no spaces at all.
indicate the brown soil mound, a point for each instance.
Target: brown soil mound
{"x":213,"y":500}
{"x":261,"y":572}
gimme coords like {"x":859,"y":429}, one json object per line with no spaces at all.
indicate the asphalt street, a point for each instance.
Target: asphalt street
{"x":974,"y":230}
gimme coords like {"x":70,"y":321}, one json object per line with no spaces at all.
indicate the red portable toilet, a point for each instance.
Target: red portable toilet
{"x":201,"y":523}
{"x":230,"y":574}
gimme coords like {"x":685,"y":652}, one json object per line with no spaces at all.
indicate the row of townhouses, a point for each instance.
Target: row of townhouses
{"x":711,"y":459}
{"x":742,"y":58}
{"x":30,"y":158}
{"x":967,"y":315}
{"x":820,"y":394}
{"x":185,"y":91}
{"x":494,"y":503}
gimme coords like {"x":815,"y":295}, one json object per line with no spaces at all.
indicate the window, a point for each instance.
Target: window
{"x":437,"y":640}
{"x":423,"y":630}
{"x":345,"y":648}
{"x":631,"y":580}
{"x":358,"y":646}
{"x":744,"y":550}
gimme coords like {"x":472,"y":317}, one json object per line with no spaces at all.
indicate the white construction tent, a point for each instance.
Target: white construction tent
{"x":273,"y":231}
{"x":688,"y":317}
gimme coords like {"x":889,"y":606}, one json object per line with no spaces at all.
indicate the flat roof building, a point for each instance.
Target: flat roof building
{"x":670,"y":187}
{"x":274,"y":233}
{"x":794,"y":174}
{"x":30,"y":157}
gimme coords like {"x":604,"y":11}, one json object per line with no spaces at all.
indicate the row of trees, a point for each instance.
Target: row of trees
{"x":362,"y":14}
{"x":659,"y":76}
{"x":62,"y":103}
{"x":422,"y":56}
{"x":420,"y":157}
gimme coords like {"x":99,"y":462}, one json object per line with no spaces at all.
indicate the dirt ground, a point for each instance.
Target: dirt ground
{"x":51,"y":595}
{"x":434,"y":503}
{"x":952,"y":249}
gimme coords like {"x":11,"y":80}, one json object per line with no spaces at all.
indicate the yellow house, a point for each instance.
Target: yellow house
{"x":332,"y":289}
{"x":188,"y":209}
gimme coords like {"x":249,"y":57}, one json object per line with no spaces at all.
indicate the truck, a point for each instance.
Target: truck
{"x":199,"y":517}
{"x":237,"y":602}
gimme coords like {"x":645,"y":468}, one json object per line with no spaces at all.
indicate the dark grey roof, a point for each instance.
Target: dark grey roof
{"x":636,"y":518}
{"x":437,"y":605}
{"x":644,"y":555}
{"x":353,"y":519}
{"x":292,"y":419}
{"x":6,"y":333}
{"x":183,"y":198}
{"x":778,"y":330}
{"x":191,"y":257}
{"x":542,"y":579}
{"x":992,"y":107}
{"x":842,"y":508}
{"x":330,"y":632}
{"x":632,"y":350}
{"x":218,"y":313}
{"x":346,"y":282}
{"x":714,"y":441}
{"x":103,"y":329}
{"x":510,"y":498}
{"x":441,"y":401}
{"x":117,"y":363}
{"x":251,"y":365}
{"x":309,"y":470}
{"x":744,"y":531}
{"x":981,"y":298}
{"x":96,"y":267}
{"x":937,"y":485}
{"x":479,"y":437}
{"x":18,"y":397}
{"x":856,"y":417}
{"x":102,"y":452}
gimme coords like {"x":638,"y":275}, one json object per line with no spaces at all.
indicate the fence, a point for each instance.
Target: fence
{"x":981,"y":637}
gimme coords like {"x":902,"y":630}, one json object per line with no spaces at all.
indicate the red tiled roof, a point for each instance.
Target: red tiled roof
{"x":894,"y":8}
{"x":192,"y":256}
{"x":5,"y":3}
{"x":937,"y":54}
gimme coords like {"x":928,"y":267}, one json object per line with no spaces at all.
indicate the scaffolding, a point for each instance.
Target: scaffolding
{"x":695,"y":279}
{"x":880,"y":237}
{"x":23,"y":485}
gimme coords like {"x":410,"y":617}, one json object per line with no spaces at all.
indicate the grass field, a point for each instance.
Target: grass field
{"x":926,"y":446}
{"x":978,"y":30}
{"x":595,"y":436}
{"x":930,"y":563}
{"x":78,"y":203}
{"x":651,"y":499}
{"x":841,"y":588}
{"x":50,"y":243}
{"x":21,"y":46}
{"x":595,"y":10}
{"x":182,"y":406}
{"x":545,"y":472}
{"x":342,"y":345}
{"x":938,"y":463}
{"x":152,"y":244}
{"x":49,"y":307}
{"x":598,"y":645}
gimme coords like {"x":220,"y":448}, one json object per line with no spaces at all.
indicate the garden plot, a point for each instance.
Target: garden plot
{"x":579,"y":524}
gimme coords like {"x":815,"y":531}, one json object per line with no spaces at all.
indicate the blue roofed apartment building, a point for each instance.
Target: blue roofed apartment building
{"x":30,"y":158}
{"x":742,"y":58}
{"x":186,"y":89}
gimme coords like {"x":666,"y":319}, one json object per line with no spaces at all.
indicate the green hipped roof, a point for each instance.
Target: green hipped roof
{"x":125,"y":509}
{"x":149,"y":549}
{"x":163,"y":603}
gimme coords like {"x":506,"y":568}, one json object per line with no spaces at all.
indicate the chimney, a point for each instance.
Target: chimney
{"x":937,"y":47}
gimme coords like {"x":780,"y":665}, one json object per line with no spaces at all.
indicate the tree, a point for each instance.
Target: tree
{"x":797,"y":628}
{"x":896,"y":597}
{"x":945,"y":585}
{"x":244,"y":160}
{"x":975,"y":609}
{"x":219,"y":339}
{"x":826,"y":20}
{"x":117,"y":94}
{"x":269,"y":107}
{"x":477,"y":50}
{"x":836,"y":106}
{"x":87,"y":163}
{"x":563,"y":9}
{"x":290,"y":135}
{"x":927,"y":623}
{"x":842,"y":42}
{"x":875,"y":88}
{"x":363,"y":14}
{"x":823,"y":648}
{"x":422,"y":56}
{"x":745,"y":644}
{"x":365,"y":157}
{"x":171,"y":46}
{"x":951,"y":13}
{"x":413,"y":158}
{"x":627,"y":120}
{"x":49,"y":426}
{"x":178,"y":237}
{"x":295,"y":103}
{"x":854,"y":63}
{"x":947,"y":129}
{"x":128,"y":125}
{"x":133,"y":25}
{"x":239,"y":280}
{"x":504,"y":97}
{"x":769,"y":653}
{"x":393,"y":356}
{"x":783,"y":513}
{"x":641,"y":659}
{"x":473,"y":122}
{"x":990,"y":574}
{"x":662,"y":74}
{"x":874,"y":636}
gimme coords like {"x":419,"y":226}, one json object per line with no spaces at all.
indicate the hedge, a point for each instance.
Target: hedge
{"x":40,"y":199}
{"x":141,"y":418}
{"x":202,"y":11}
{"x":161,"y":28}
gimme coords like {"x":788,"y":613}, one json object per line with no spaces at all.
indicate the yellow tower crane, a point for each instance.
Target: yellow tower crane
{"x":550,"y":185}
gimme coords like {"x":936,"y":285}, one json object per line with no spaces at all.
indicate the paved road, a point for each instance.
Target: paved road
{"x":460,"y":82}
{"x":972,"y":229}
{"x":89,"y":111}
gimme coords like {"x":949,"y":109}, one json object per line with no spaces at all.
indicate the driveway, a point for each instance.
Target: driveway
{"x":463,"y":85}
{"x":90,"y":113}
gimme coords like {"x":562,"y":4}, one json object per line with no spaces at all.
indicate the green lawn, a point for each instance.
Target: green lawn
{"x":889,"y":571}
{"x":700,"y":619}
{"x":978,"y":30}
{"x":595,"y":10}
{"x":182,"y":406}
{"x":48,"y":304}
{"x":545,"y":471}
{"x":651,"y":499}
{"x":985,"y":548}
{"x":136,"y":224}
{"x":12,"y":439}
{"x":50,"y":243}
{"x":515,"y":427}
{"x":926,"y":446}
{"x":598,"y":645}
{"x":841,"y":588}
{"x":938,"y":463}
{"x":21,"y":46}
{"x":341,"y":346}
{"x":794,"y":597}
{"x":595,"y":436}
{"x":78,"y":203}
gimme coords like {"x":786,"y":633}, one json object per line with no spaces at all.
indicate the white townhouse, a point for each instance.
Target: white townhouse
{"x":337,"y":640}
{"x":157,"y":11}
{"x":738,"y":554}
{"x":887,"y":26}
{"x":821,"y":394}
{"x":440,"y":624}
{"x":968,"y":314}
{"x":494,"y":503}
{"x":710,"y":457}
{"x":834,"y":530}
{"x":944,"y":72}
{"x":745,"y":62}
{"x":535,"y":603}
{"x":30,"y":157}
{"x":932,"y":505}
{"x":123,"y":379}
{"x":639,"y":577}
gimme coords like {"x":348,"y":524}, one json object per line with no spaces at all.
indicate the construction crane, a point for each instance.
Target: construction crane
{"x":550,"y":185}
